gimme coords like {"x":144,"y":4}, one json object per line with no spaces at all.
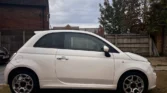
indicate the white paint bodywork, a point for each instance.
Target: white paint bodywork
{"x":83,"y":69}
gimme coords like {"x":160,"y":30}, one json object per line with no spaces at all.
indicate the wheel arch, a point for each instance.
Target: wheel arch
{"x":22,"y":69}
{"x":130,"y":71}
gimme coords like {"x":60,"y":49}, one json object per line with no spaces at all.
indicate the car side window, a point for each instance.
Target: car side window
{"x":52,"y":40}
{"x":86,"y":42}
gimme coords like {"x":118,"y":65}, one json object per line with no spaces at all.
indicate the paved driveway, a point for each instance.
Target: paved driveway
{"x":2,"y":67}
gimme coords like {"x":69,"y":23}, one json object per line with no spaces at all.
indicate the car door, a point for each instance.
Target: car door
{"x":43,"y":53}
{"x":83,"y":60}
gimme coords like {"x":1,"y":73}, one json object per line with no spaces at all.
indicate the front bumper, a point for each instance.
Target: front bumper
{"x":152,"y":80}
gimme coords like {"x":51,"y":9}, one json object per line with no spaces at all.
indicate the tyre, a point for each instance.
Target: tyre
{"x":133,"y":82}
{"x":23,"y":82}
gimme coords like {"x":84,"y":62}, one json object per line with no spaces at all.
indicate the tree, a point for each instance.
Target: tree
{"x":107,"y":17}
{"x":156,"y":16}
{"x":132,"y":14}
{"x":120,"y":16}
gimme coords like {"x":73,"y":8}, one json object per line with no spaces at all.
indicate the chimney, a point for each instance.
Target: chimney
{"x":101,"y":31}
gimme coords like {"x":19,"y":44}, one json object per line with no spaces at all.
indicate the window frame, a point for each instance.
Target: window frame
{"x":111,"y":49}
{"x":47,"y":35}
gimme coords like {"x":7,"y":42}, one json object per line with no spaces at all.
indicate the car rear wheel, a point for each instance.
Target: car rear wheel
{"x":23,"y":82}
{"x":133,"y":82}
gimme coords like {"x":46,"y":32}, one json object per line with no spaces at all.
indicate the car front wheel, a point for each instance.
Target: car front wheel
{"x":23,"y":82}
{"x":133,"y":82}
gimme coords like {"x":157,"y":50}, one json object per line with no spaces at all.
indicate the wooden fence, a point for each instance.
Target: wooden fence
{"x":132,"y":43}
{"x":13,"y":40}
{"x":165,"y":45}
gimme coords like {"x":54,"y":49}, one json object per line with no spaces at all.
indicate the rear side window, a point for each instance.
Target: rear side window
{"x":53,"y":40}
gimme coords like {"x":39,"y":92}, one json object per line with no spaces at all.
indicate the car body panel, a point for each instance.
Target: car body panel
{"x":90,"y":67}
{"x":136,"y":57}
{"x":125,"y":64}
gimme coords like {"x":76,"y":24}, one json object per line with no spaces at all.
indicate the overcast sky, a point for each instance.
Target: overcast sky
{"x":83,"y":13}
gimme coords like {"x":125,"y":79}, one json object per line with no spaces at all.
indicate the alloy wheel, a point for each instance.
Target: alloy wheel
{"x":22,"y":83}
{"x":133,"y":84}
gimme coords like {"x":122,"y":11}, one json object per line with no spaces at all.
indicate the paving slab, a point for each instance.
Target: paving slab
{"x":160,"y":68}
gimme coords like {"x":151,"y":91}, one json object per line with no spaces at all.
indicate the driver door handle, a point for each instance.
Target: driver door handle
{"x":62,"y":58}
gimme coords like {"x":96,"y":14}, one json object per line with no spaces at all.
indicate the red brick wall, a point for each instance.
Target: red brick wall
{"x":16,"y":17}
{"x":100,"y":31}
{"x":19,"y":18}
{"x":24,"y":15}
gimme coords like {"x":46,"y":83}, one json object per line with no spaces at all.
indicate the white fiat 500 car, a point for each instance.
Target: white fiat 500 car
{"x":79,"y":60}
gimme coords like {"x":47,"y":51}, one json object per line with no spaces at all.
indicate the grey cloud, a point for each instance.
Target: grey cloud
{"x":76,"y":12}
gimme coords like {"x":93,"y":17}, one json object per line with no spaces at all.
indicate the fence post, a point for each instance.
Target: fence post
{"x":23,"y":37}
{"x":150,"y":46}
{"x":116,"y":40}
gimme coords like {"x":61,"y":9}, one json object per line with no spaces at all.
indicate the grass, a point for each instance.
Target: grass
{"x":4,"y":89}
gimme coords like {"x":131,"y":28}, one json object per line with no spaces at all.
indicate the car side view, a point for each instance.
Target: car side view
{"x":79,"y":60}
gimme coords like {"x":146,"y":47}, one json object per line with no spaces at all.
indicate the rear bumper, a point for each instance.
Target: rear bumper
{"x":8,"y":68}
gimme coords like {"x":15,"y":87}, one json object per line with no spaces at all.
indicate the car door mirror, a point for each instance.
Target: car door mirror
{"x":106,"y":51}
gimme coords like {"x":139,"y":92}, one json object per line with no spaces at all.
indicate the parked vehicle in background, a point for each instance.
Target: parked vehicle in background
{"x":4,"y":55}
{"x":77,"y":59}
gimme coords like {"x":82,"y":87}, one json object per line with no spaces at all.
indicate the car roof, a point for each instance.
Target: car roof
{"x":52,"y":31}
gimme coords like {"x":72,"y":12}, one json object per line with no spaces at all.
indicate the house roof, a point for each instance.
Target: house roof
{"x":68,"y":27}
{"x":93,"y":30}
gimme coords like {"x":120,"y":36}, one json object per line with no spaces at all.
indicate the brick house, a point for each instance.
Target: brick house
{"x":67,"y":27}
{"x":19,"y":19}
{"x":99,"y":31}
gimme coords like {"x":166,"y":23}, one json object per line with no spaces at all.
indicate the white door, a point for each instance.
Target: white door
{"x":83,"y":61}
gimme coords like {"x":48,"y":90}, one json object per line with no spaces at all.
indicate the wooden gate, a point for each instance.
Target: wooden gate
{"x":13,"y":40}
{"x":165,"y":45}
